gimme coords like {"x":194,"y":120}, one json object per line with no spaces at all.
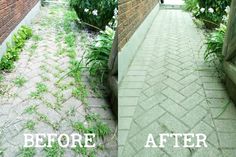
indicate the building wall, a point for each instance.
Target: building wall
{"x":131,"y":15}
{"x":12,"y":12}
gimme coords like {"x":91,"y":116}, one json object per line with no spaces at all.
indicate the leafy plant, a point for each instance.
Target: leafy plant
{"x":98,"y":54}
{"x":19,"y":81}
{"x":13,"y":50}
{"x":213,"y":53}
{"x":27,"y":152}
{"x":95,"y":13}
{"x":215,"y":44}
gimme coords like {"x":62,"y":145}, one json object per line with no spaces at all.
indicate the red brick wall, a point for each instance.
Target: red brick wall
{"x":11,"y":13}
{"x":131,"y":15}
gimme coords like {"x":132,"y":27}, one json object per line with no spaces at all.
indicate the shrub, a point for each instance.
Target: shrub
{"x":95,"y":13}
{"x":98,"y":54}
{"x":211,"y":11}
{"x":13,"y":50}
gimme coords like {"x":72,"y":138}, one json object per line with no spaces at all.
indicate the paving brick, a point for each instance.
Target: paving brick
{"x":190,"y":89}
{"x":227,"y":140}
{"x":173,"y":124}
{"x":194,"y":116}
{"x":174,"y":95}
{"x":173,"y":84}
{"x":192,"y":101}
{"x":173,"y":108}
{"x":149,"y":116}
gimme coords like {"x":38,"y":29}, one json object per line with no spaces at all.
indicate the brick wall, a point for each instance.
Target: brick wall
{"x":131,"y":15}
{"x":11,"y":13}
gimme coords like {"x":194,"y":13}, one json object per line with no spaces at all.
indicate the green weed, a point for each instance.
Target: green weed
{"x":20,"y":81}
{"x":30,"y":125}
{"x":54,"y":151}
{"x":27,"y":152}
{"x":40,"y":88}
{"x":79,"y":127}
{"x":70,"y":39}
{"x":36,"y":37}
{"x":80,"y":150}
{"x":31,"y":109}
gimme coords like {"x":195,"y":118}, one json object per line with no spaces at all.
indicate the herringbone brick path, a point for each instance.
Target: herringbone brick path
{"x":169,"y":89}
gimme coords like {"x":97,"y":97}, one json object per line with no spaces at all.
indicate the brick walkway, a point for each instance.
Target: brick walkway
{"x":24,"y":110}
{"x":169,"y":88}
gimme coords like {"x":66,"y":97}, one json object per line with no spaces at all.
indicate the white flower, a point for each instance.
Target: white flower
{"x":86,"y":10}
{"x":211,"y":10}
{"x":95,"y":12}
{"x":225,"y":18}
{"x":202,"y":10}
{"x":227,"y":9}
{"x":115,"y":12}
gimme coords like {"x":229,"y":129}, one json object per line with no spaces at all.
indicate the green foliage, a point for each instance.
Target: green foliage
{"x":69,"y":17}
{"x":54,"y":151}
{"x":101,"y":129}
{"x":79,"y":127}
{"x":190,"y":5}
{"x":31,"y":109}
{"x":98,"y":54}
{"x":70,"y":39}
{"x":215,"y":40}
{"x":92,"y":117}
{"x":211,"y":12}
{"x":30,"y":125}
{"x":80,"y":92}
{"x":12,"y":53}
{"x":27,"y":152}
{"x":40,"y":88}
{"x":80,"y":150}
{"x":96,"y":13}
{"x":19,"y":81}
{"x":36,"y":37}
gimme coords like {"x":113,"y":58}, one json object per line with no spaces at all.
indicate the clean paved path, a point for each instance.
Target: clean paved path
{"x":169,"y":88}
